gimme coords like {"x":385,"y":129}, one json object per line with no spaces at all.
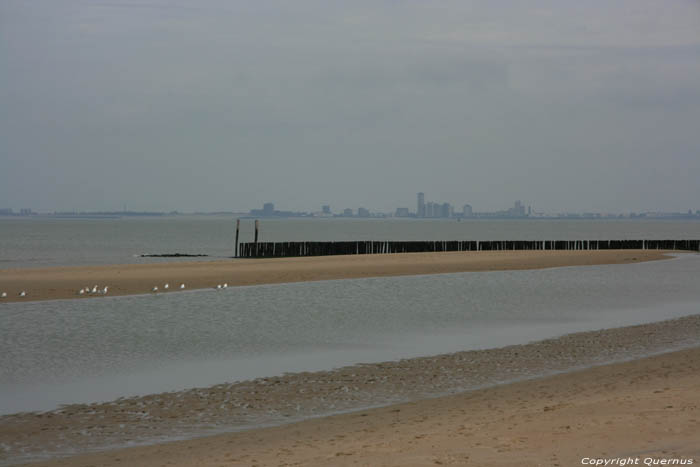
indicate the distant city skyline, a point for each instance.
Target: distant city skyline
{"x":424,"y":210}
{"x":432,"y":209}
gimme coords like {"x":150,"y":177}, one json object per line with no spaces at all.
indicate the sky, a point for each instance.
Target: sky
{"x":226,"y":104}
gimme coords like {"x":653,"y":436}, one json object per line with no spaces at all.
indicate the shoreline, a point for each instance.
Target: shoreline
{"x":558,"y":420}
{"x":133,"y":279}
{"x":295,"y":401}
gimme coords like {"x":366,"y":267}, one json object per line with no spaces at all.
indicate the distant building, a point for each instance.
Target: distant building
{"x":518,"y":210}
{"x":25,"y":212}
{"x":420,"y":211}
{"x":467,"y":210}
{"x":268,"y":210}
{"x":347,"y":212}
{"x":326,"y":209}
{"x":437,"y":210}
{"x":446,"y":210}
{"x":402,"y":212}
{"x":362,"y":212}
{"x":6,"y":212}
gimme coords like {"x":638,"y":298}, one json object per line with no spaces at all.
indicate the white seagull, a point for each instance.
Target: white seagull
{"x":225,"y":285}
{"x":166,"y":286}
{"x":3,"y":295}
{"x":104,"y":291}
{"x":182,"y":286}
{"x":218,"y":287}
{"x":94,"y":289}
{"x":154,"y":289}
{"x":81,"y":292}
{"x":23,"y":294}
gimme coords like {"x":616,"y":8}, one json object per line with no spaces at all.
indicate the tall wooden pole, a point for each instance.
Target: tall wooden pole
{"x":257,"y":227}
{"x":238,"y":228}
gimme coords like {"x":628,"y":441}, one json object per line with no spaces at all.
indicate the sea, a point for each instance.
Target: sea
{"x":76,"y":351}
{"x":42,"y":241}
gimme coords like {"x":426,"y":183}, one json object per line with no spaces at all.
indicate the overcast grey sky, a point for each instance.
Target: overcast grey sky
{"x":225,"y":104}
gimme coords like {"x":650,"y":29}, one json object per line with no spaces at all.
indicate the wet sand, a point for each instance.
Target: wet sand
{"x":65,"y":282}
{"x":645,"y":407}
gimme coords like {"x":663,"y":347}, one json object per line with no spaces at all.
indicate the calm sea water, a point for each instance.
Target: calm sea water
{"x":29,"y":242}
{"x":66,"y":351}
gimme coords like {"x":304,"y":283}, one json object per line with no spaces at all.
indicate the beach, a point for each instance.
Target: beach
{"x":621,"y":392}
{"x":646,"y":408}
{"x":65,"y":282}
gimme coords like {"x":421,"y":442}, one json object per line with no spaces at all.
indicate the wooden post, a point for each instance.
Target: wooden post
{"x":259,"y":249}
{"x":238,"y":228}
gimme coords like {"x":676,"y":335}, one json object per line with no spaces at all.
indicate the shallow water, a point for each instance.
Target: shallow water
{"x":67,"y":351}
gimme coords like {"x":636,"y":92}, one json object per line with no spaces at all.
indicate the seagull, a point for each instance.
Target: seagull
{"x":3,"y":295}
{"x":81,"y":292}
{"x":154,"y":289}
{"x":23,"y":294}
{"x":104,"y":291}
{"x":182,"y":286}
{"x":166,"y":286}
{"x":94,"y":289}
{"x":218,"y":287}
{"x":225,"y":285}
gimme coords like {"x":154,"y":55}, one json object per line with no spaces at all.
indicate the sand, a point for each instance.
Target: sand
{"x":645,"y":410}
{"x":64,"y":282}
{"x":646,"y":407}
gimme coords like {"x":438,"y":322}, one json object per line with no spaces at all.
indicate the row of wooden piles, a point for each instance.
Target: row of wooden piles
{"x":291,"y":249}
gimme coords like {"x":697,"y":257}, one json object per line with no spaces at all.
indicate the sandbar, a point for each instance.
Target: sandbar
{"x":65,"y":282}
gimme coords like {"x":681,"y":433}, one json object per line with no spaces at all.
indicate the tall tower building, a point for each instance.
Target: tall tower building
{"x":268,"y":209}
{"x":420,"y":212}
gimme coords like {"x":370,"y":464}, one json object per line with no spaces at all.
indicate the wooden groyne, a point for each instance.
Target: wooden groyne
{"x":292,"y":249}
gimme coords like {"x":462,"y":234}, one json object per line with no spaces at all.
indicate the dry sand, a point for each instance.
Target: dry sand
{"x":647,"y":408}
{"x":64,"y":282}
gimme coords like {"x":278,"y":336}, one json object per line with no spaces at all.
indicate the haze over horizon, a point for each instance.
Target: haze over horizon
{"x":224,"y":105}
